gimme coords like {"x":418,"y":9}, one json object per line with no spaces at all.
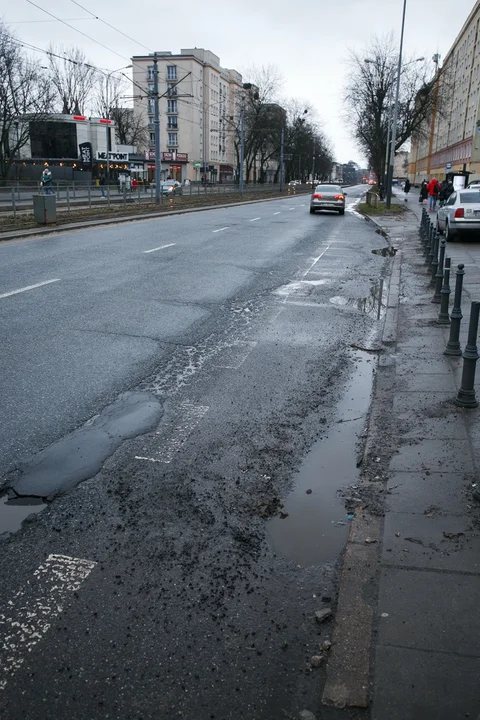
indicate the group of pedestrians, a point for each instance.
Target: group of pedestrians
{"x":435,"y":191}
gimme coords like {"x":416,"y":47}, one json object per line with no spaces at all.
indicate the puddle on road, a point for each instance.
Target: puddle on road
{"x":373,"y":305}
{"x":14,"y":510}
{"x":386,"y":251}
{"x":317,"y":525}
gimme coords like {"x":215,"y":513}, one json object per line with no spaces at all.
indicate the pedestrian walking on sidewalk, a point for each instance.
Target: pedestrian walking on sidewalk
{"x":102,"y":184}
{"x":433,"y":188}
{"x":423,"y":192}
{"x":406,"y":188}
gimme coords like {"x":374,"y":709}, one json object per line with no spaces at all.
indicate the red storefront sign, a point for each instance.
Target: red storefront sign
{"x":168,"y":156}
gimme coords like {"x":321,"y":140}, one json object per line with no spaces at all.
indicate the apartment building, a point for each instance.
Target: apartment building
{"x":450,"y":142}
{"x":197,"y":99}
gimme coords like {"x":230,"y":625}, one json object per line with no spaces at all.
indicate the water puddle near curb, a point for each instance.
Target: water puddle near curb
{"x":386,"y":251}
{"x":373,"y":305}
{"x":316,"y":525}
{"x":14,"y":510}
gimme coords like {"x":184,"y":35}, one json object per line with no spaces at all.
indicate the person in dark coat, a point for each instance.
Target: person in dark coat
{"x":423,"y":192}
{"x":406,"y":188}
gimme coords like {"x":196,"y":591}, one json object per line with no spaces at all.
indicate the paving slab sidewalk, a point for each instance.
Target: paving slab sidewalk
{"x":427,"y":626}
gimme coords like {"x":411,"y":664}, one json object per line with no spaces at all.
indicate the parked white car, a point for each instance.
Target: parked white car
{"x":460,"y":214}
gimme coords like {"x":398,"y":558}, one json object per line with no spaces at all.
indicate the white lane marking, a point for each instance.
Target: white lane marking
{"x":303,"y":205}
{"x":220,"y":229}
{"x":162,"y":247}
{"x":253,"y":219}
{"x":234,"y":356}
{"x":32,"y":609}
{"x":277,"y":213}
{"x":29,"y":287}
{"x":190,"y":416}
{"x":290,"y":288}
{"x":292,"y":208}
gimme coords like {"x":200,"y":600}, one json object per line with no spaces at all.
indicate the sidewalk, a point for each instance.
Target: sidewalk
{"x":427,"y":635}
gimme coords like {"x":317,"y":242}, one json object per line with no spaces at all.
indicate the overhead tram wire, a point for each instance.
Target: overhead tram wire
{"x":109,"y":25}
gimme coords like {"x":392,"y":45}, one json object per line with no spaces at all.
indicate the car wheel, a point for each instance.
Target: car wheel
{"x":341,"y":212}
{"x":312,"y":211}
{"x":449,"y":236}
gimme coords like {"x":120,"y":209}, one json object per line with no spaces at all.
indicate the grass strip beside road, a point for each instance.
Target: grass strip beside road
{"x":381,"y":209}
{"x":24,"y":221}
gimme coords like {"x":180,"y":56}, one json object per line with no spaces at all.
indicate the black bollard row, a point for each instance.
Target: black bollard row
{"x":443,"y":316}
{"x":466,"y":395}
{"x":439,"y":275}
{"x":453,"y":344}
{"x":434,"y":262}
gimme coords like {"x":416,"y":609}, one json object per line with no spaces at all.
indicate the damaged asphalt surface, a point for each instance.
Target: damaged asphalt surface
{"x":236,"y":343}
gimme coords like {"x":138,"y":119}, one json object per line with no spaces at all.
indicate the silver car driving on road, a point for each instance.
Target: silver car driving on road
{"x":460,"y":214}
{"x":328,"y":197}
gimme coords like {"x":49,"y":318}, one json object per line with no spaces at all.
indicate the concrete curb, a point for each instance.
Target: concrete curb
{"x":349,"y":665}
{"x":35,"y":232}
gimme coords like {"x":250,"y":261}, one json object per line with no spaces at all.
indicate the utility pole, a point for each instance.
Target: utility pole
{"x":156,"y":122}
{"x":313,"y":168}
{"x":242,"y":144}
{"x":388,"y":204}
{"x":282,"y":143}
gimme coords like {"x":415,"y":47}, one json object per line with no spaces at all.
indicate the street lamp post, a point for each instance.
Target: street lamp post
{"x":107,"y":124}
{"x":388,"y":203}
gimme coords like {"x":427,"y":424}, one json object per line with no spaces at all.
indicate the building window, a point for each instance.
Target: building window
{"x":173,"y":121}
{"x":171,"y":90}
{"x":150,"y":73}
{"x":151,"y":106}
{"x":171,"y":72}
{"x":152,"y":138}
{"x":173,"y":139}
{"x":172,"y":106}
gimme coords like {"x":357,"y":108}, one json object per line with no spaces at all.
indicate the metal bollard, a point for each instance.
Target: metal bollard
{"x":427,"y":238}
{"x":466,"y":395}
{"x":443,"y":316}
{"x":89,"y":197}
{"x":14,"y":205}
{"x":453,"y":344}
{"x":68,"y":198}
{"x":434,"y":263}
{"x":429,"y":246}
{"x":439,"y":276}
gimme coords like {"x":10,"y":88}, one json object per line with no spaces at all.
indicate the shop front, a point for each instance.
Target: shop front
{"x":173,"y":165}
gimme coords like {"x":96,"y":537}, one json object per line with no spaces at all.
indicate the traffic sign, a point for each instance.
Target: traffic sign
{"x":449,"y":166}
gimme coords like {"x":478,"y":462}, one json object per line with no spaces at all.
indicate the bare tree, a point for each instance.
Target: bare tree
{"x":73,"y":79}
{"x":370,"y":94}
{"x":25,"y":96}
{"x":130,"y":126}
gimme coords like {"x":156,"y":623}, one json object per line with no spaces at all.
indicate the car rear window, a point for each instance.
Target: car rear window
{"x":473,"y":196}
{"x":328,"y":188}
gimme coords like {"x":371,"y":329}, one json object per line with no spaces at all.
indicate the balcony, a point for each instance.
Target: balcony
{"x":172,"y":126}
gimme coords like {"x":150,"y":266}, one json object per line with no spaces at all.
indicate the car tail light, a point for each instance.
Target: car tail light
{"x":459,"y":213}
{"x":317,"y":196}
{"x":339,"y":197}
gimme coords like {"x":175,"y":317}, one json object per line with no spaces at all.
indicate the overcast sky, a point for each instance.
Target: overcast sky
{"x":307,"y":41}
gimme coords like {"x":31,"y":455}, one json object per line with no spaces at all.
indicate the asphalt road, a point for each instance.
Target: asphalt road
{"x":192,"y":361}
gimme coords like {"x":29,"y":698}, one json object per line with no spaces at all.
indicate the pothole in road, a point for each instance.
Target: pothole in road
{"x":373,"y":304}
{"x":315,"y":525}
{"x":14,"y":510}
{"x":386,"y":251}
{"x":81,"y":454}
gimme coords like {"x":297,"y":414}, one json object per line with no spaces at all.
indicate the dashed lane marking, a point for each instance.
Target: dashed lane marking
{"x":253,"y":219}
{"x":29,"y":614}
{"x":220,"y":229}
{"x":234,"y":356}
{"x":190,"y":416}
{"x":277,"y":213}
{"x":162,"y":247}
{"x":29,"y":287}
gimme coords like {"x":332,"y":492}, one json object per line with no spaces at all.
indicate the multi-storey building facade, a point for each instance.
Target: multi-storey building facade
{"x":450,"y":142}
{"x":198,"y":98}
